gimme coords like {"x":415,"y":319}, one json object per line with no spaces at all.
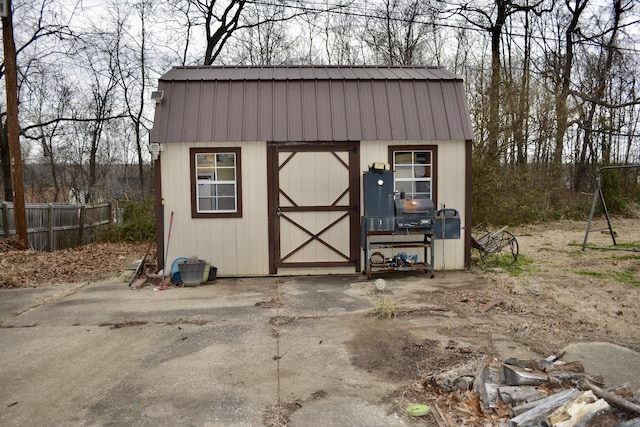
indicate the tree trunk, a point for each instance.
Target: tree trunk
{"x":5,"y":159}
{"x":493,"y":151}
{"x":562,"y":113}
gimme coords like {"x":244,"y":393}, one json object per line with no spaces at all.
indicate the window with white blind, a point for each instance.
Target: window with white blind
{"x":215,"y":182}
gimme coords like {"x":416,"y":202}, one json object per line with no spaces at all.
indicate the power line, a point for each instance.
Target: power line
{"x":339,"y":9}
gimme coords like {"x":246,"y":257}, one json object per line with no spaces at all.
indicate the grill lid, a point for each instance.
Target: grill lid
{"x":417,"y":207}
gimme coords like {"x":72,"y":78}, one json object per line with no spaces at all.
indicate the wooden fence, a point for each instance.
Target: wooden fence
{"x":53,"y":226}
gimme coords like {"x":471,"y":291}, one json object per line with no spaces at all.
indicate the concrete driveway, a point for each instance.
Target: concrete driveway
{"x":234,"y":352}
{"x":237,"y":352}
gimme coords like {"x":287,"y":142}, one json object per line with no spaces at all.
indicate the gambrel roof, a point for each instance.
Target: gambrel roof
{"x":310,"y":103}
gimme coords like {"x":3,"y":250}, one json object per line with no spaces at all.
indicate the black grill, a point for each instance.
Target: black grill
{"x":415,"y":214}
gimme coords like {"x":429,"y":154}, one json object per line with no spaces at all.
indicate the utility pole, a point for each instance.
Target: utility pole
{"x":11,"y":83}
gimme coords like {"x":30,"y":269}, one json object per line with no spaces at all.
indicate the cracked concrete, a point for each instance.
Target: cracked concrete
{"x":235,"y":352}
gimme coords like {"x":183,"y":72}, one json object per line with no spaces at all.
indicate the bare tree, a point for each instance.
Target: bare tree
{"x":595,"y":90}
{"x":133,"y":72}
{"x":35,"y":22}
{"x":398,"y":32}
{"x":52,"y":100}
{"x":220,"y":20}
{"x":265,"y":44}
{"x":491,"y":17}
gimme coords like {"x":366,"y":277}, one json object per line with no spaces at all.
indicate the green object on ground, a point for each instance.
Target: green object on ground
{"x":418,"y":410}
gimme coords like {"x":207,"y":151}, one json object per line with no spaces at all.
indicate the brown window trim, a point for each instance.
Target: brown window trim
{"x":434,"y":150}
{"x":192,"y":168}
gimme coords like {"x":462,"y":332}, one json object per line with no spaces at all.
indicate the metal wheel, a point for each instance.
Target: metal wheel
{"x":500,"y":250}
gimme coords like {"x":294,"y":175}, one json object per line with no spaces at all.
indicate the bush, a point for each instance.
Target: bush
{"x":508,"y":195}
{"x":138,"y":223}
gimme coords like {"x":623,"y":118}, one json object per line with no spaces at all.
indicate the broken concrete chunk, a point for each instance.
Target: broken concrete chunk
{"x":514,"y":375}
{"x":518,"y":395}
{"x":575,"y":367}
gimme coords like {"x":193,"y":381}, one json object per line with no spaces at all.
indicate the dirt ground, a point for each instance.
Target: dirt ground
{"x":556,"y":294}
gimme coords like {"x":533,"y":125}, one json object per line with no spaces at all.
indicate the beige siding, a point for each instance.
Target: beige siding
{"x":240,"y":246}
{"x":236,"y":246}
{"x":451,"y":193}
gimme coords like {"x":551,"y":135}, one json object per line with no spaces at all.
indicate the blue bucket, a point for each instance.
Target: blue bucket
{"x":175,"y":271}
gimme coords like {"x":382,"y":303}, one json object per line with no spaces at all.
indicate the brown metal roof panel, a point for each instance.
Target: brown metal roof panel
{"x":352,"y":111}
{"x":205,"y":114}
{"x":424,"y":111}
{"x":162,"y":114}
{"x":251,"y":112}
{"x":280,"y":125}
{"x":221,"y":74}
{"x":423,"y":73}
{"x":306,"y":72}
{"x":410,"y":111}
{"x":221,"y":112}
{"x":375,"y":73}
{"x":236,"y":116}
{"x":453,"y":112}
{"x":395,"y":73}
{"x":190,"y":122}
{"x":265,"y":111}
{"x":309,"y":122}
{"x":294,"y":111}
{"x":396,"y":113}
{"x":334,"y":73}
{"x":438,"y":110}
{"x":323,"y":105}
{"x":367,"y":111}
{"x":349,"y":73}
{"x":175,"y":117}
{"x":312,"y":109}
{"x":303,"y":73}
{"x":382,"y":113}
{"x":338,"y":110}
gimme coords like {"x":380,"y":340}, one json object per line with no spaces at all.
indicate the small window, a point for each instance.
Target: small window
{"x":215,"y":182}
{"x":414,"y":171}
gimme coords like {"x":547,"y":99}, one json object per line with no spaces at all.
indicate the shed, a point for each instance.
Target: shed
{"x":262,"y":166}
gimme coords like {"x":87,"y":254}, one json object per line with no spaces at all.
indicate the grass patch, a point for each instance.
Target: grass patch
{"x":624,"y":257}
{"x":596,"y":274}
{"x":630,"y":245}
{"x":625,"y":277}
{"x":385,"y":308}
{"x":524,"y":265}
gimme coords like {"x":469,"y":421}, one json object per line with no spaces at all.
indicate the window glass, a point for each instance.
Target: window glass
{"x":401,"y":157}
{"x":216,"y":179}
{"x":404,"y":171}
{"x":413,"y":173}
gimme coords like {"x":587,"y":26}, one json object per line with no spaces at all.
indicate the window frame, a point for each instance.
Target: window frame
{"x":434,"y":164}
{"x":193,"y":152}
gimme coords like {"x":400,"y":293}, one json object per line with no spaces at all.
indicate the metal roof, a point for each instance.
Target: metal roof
{"x":310,"y":103}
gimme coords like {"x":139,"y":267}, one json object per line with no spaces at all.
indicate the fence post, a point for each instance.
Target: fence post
{"x":81,"y":230}
{"x":5,"y":219}
{"x":50,"y":228}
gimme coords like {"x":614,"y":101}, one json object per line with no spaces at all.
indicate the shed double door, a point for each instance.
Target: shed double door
{"x":314,"y":197}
